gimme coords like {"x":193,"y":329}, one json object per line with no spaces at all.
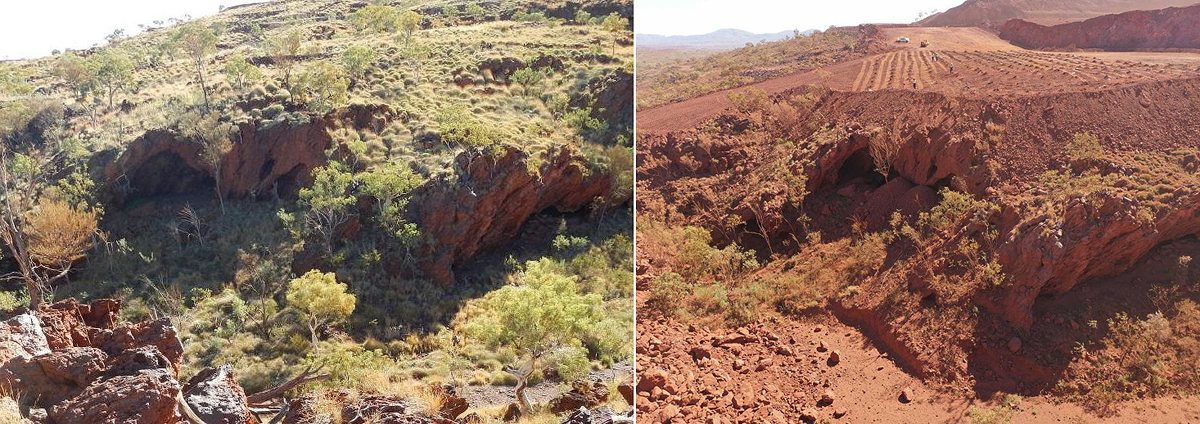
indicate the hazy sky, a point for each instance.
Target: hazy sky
{"x":689,"y":17}
{"x":33,"y":28}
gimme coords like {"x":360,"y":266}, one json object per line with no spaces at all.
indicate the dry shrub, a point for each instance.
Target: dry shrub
{"x":59,"y":234}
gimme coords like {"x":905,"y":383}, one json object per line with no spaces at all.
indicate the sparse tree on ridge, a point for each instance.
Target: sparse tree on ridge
{"x":74,"y":71}
{"x":357,"y":61}
{"x":112,"y":70}
{"x":614,"y":23}
{"x":409,"y":22}
{"x":240,"y":72}
{"x":198,"y":41}
{"x":284,"y":50}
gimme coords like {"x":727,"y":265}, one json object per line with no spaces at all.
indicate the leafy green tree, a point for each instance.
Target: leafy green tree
{"x":475,"y":11}
{"x":44,"y":235}
{"x":322,"y":86}
{"x":376,"y":17}
{"x":240,"y":72}
{"x":357,"y":60}
{"x":543,"y":317}
{"x":113,"y":71}
{"x":391,"y":185}
{"x":321,"y":298}
{"x":198,"y":41}
{"x":327,"y":203}
{"x":74,"y":71}
{"x":284,"y":49}
{"x":614,"y":23}
{"x":582,"y":17}
{"x":528,"y":77}
{"x":409,"y":22}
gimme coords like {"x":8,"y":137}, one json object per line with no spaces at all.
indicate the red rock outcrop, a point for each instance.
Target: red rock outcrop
{"x":482,"y":207}
{"x":583,"y":394}
{"x":75,"y":361}
{"x":263,"y":158}
{"x":1176,"y":27}
{"x":1000,"y":149}
{"x":493,"y":193}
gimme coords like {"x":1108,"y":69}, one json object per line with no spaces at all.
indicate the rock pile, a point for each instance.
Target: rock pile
{"x":80,"y":367}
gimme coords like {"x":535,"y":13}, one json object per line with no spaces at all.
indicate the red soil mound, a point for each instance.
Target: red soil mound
{"x":1144,"y":29}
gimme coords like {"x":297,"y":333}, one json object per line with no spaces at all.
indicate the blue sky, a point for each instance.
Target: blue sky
{"x":33,"y":28}
{"x":688,"y":17}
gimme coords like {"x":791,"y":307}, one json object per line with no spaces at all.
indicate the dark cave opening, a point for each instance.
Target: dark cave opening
{"x":166,"y":174}
{"x":859,"y":166}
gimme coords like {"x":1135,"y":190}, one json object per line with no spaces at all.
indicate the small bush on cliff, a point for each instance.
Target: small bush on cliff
{"x":666,"y":290}
{"x":691,"y":254}
{"x":750,"y":100}
{"x":457,"y":127}
{"x":322,"y":86}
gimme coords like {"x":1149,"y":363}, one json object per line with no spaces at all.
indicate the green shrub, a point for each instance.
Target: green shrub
{"x":458,"y":127}
{"x":666,"y":292}
{"x":1084,"y":146}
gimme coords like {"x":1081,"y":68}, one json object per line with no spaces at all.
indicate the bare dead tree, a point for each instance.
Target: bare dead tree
{"x":883,"y":150}
{"x":309,"y":375}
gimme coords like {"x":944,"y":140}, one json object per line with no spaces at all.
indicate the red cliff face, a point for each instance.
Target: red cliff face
{"x":483,"y":205}
{"x":492,"y":195}
{"x":1143,"y":29}
{"x":279,"y":157}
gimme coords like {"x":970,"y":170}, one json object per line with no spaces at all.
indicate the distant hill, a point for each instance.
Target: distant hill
{"x":1173,"y":27}
{"x":719,"y":39}
{"x":993,"y":13}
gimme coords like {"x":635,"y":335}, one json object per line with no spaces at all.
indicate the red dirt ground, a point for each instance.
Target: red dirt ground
{"x":984,"y":66}
{"x":772,"y":372}
{"x":782,"y":370}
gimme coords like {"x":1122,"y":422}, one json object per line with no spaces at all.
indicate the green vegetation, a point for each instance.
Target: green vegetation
{"x":543,"y":317}
{"x":320,"y":298}
{"x":1002,"y":413}
{"x":198,"y":41}
{"x":322,"y":266}
{"x":1084,"y":146}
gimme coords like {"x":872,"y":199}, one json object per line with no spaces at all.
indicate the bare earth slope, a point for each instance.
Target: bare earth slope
{"x":983,"y":65}
{"x":988,"y":13}
{"x":1154,"y":29}
{"x":1007,"y":258}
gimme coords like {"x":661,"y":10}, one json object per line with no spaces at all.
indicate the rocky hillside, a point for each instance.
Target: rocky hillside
{"x":355,"y":187}
{"x":1176,"y":27}
{"x":937,"y":224}
{"x":993,"y":13}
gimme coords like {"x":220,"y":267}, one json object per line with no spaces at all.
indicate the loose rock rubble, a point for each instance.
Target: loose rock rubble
{"x":79,"y":366}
